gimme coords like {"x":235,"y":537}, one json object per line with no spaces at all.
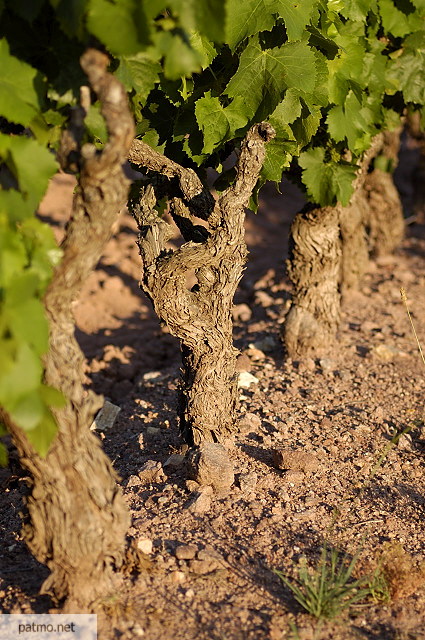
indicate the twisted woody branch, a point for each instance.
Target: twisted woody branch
{"x":200,"y":317}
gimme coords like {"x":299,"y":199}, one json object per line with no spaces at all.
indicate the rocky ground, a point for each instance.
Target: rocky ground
{"x":317,"y":457}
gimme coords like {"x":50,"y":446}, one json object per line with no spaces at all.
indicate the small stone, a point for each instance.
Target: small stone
{"x":145,"y":545}
{"x":293,"y":460}
{"x":138,"y":631}
{"x":378,"y":414}
{"x":241,"y":312}
{"x":192,"y":485}
{"x":248,"y":481}
{"x":294,"y":477}
{"x":190,"y":594}
{"x":210,"y":465}
{"x":175,"y":461}
{"x":106,"y":417}
{"x":133,"y":481}
{"x":405,"y":442}
{"x":186,"y":551}
{"x":249,"y":422}
{"x":178,"y":577}
{"x":151,"y":375}
{"x":326,"y":365}
{"x":200,"y":503}
{"x":243,"y":363}
{"x":152,"y":432}
{"x":387,"y":352}
{"x":246,"y":379}
{"x":256,"y":354}
{"x":267,"y":344}
{"x":151,"y":471}
{"x":202,"y":567}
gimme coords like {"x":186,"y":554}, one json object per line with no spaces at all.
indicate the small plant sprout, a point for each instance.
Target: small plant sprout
{"x":327,"y":590}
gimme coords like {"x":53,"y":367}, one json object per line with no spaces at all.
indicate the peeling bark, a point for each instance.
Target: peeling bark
{"x":200,"y":318}
{"x":77,"y":518}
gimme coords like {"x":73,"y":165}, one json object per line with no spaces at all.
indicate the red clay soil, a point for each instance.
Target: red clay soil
{"x":342,"y":411}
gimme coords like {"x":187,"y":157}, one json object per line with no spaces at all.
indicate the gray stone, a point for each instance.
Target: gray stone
{"x":175,"y":461}
{"x":106,"y":417}
{"x":210,"y":465}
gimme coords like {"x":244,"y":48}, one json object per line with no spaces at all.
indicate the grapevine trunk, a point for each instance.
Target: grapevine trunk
{"x":76,"y":516}
{"x":314,"y":269}
{"x":200,"y":317}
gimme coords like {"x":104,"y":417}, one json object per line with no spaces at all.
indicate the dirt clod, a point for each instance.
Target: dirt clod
{"x":293,"y":460}
{"x":186,"y":551}
{"x":210,"y":465}
{"x":151,"y":471}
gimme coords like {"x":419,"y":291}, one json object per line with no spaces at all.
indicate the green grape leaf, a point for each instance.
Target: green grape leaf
{"x":71,"y":14}
{"x":120,"y":25}
{"x":280,"y":150}
{"x":4,"y":458}
{"x":43,"y":254}
{"x":305,"y":127}
{"x":356,"y":9}
{"x":393,"y":20}
{"x":343,"y":176}
{"x":32,"y":165}
{"x":19,"y":99}
{"x":407,"y":74}
{"x":350,"y":122}
{"x":179,"y":58}
{"x":28,"y":411}
{"x":246,"y":18}
{"x":263,"y":75}
{"x":326,"y":182}
{"x":296,"y":15}
{"x":23,"y":377}
{"x":139,"y":73}
{"x":217,"y":123}
{"x":13,"y":256}
{"x":95,"y":123}
{"x":288,"y":110}
{"x":27,"y":10}
{"x":204,"y":47}
{"x":28,"y":323}
{"x":21,"y":285}
{"x":210,"y":19}
{"x":42,"y":436}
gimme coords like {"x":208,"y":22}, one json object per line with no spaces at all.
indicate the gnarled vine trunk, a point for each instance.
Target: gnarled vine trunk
{"x":353,"y":218}
{"x":201,"y":317}
{"x":384,"y":221}
{"x":329,"y":251}
{"x":77,"y":518}
{"x":314,"y":268}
